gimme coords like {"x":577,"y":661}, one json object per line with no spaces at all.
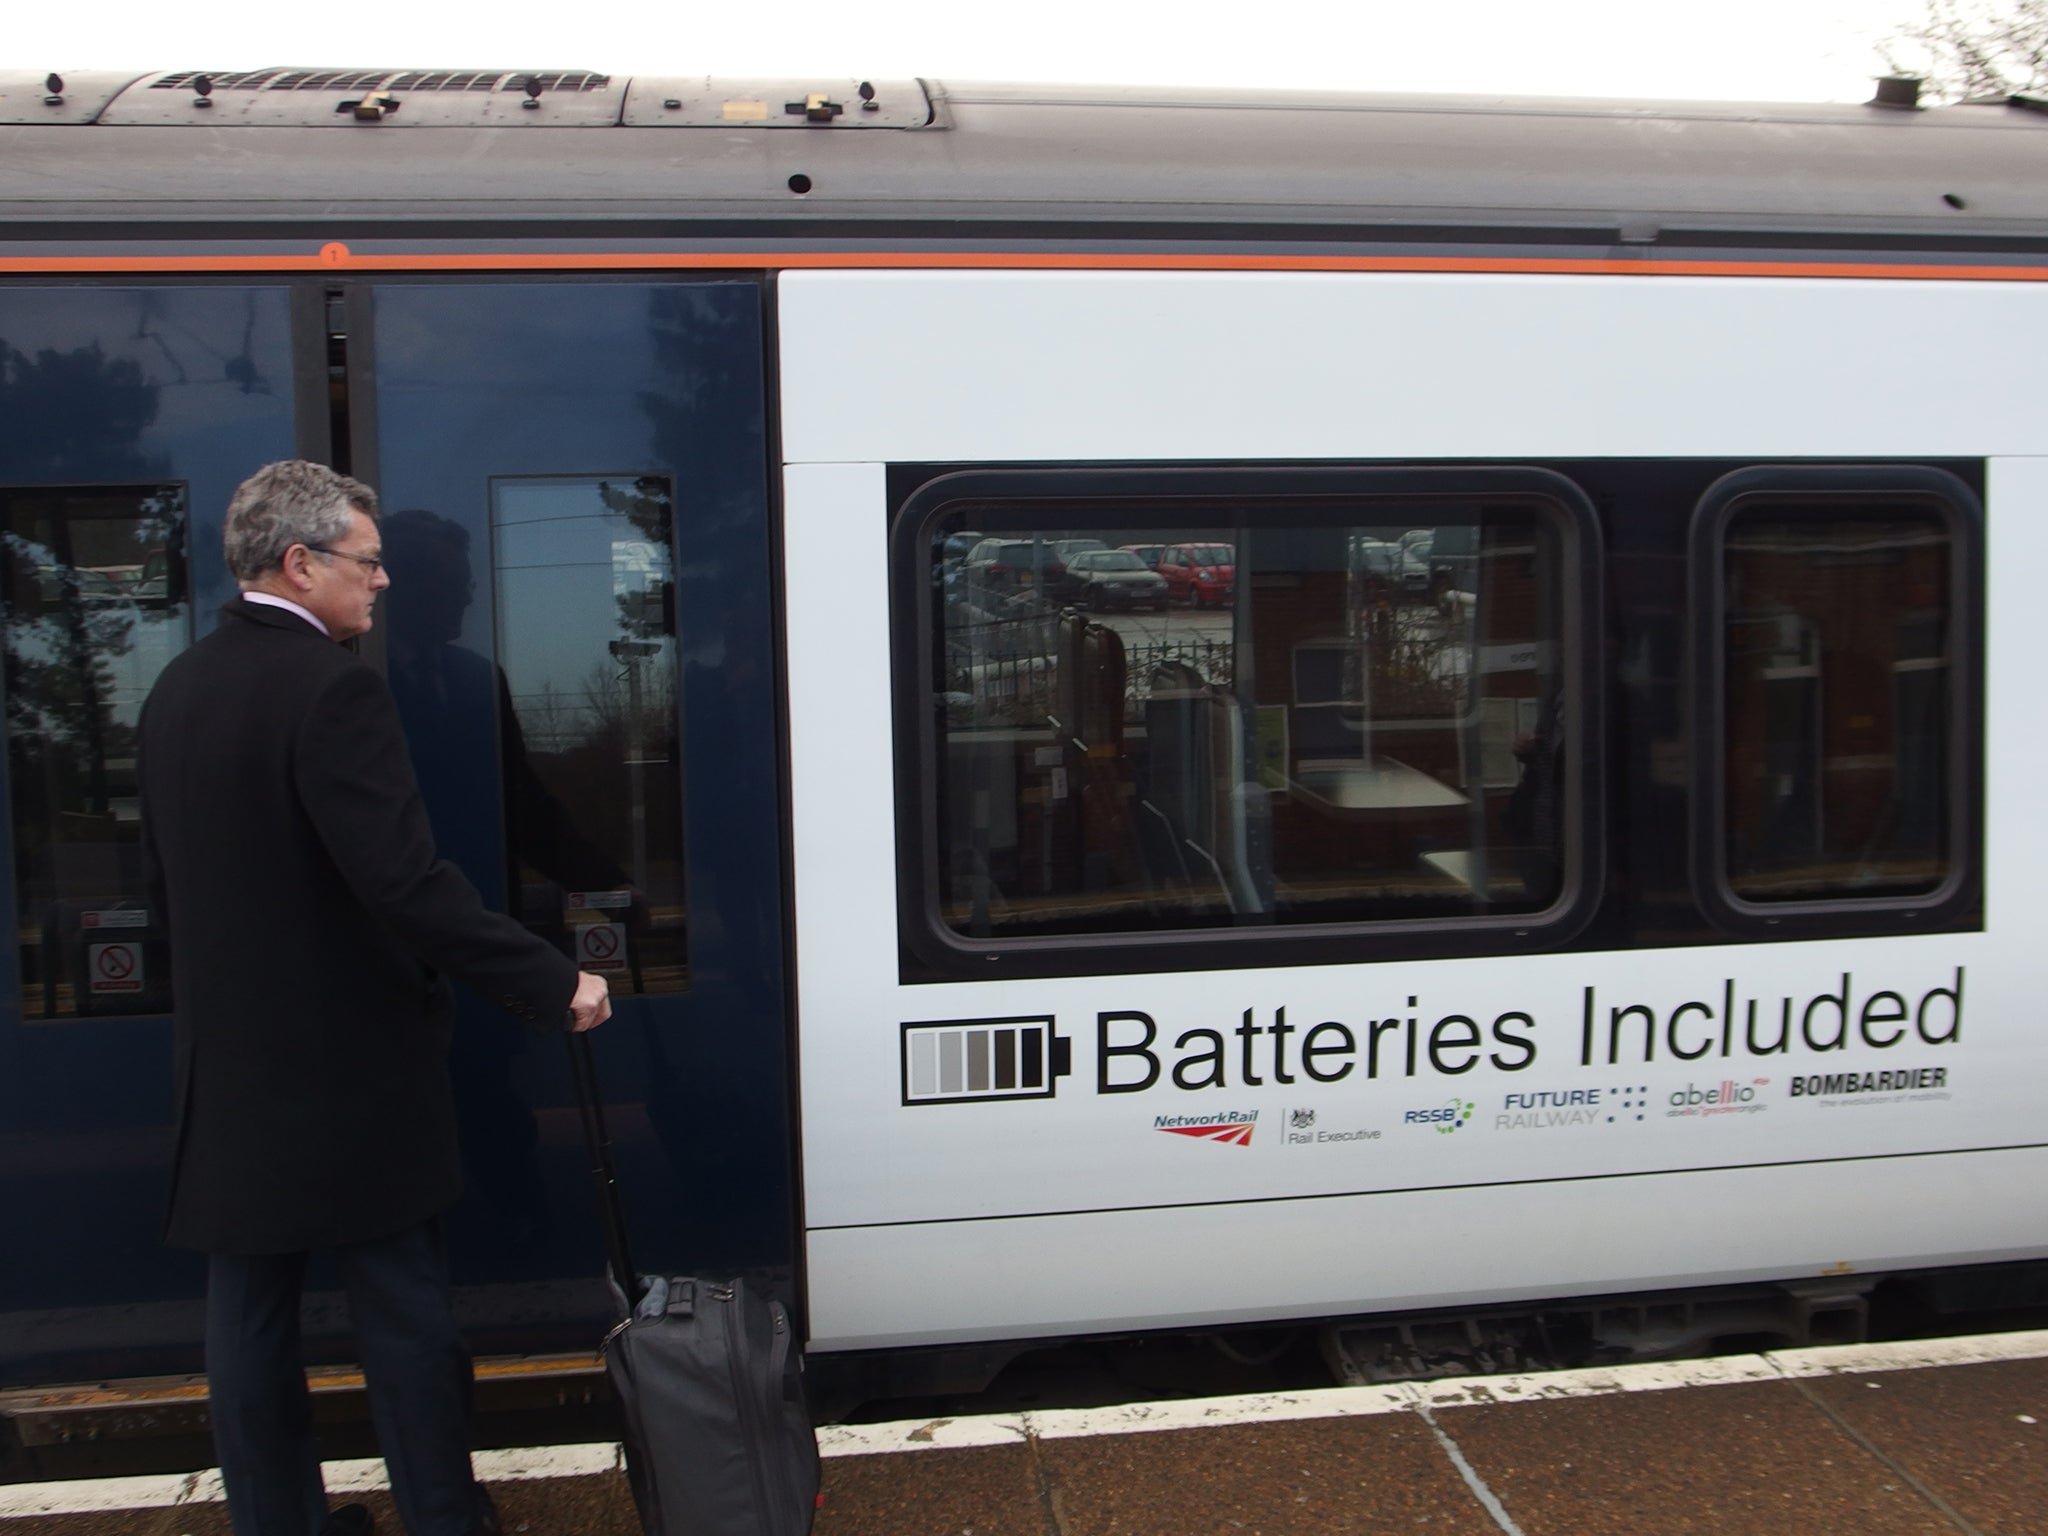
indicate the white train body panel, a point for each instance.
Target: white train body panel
{"x":1561,"y":1173}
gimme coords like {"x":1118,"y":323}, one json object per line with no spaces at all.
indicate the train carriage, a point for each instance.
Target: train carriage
{"x":1584,"y":851}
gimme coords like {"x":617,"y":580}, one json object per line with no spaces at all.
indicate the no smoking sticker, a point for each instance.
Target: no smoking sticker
{"x":601,"y":946}
{"x":113,"y":968}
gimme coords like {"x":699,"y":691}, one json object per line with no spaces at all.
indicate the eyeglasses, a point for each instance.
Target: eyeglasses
{"x":372,"y":562}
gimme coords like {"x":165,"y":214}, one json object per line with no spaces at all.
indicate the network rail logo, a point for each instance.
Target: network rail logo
{"x":1232,"y":1127}
{"x":969,"y":1061}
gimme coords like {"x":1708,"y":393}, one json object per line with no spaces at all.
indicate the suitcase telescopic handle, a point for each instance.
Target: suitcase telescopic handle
{"x":604,"y":1178}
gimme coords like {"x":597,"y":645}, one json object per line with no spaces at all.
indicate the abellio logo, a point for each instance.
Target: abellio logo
{"x":1726,"y":1097}
{"x":1233,"y":1127}
{"x":1443,"y":1118}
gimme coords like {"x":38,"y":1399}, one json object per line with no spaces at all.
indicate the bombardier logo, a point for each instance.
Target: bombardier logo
{"x":1233,"y":1127}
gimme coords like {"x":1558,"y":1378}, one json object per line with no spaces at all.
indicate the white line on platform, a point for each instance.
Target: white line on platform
{"x":166,"y":1491}
{"x":1407,"y":1397}
{"x":85,"y":1497}
{"x":1488,"y":1499}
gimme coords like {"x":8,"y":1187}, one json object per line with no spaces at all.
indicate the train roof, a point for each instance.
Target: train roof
{"x":367,"y":151}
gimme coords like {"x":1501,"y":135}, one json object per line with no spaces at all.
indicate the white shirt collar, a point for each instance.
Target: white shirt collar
{"x":289,"y":607}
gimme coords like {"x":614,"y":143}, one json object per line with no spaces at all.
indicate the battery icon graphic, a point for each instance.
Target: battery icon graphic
{"x":962,"y":1061}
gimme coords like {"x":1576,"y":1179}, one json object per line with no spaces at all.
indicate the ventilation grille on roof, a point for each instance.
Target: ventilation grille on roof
{"x":385,"y":80}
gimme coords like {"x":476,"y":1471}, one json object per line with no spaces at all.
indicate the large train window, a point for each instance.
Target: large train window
{"x":1834,"y":638}
{"x":95,"y":605}
{"x":1326,"y":705}
{"x":588,"y":719}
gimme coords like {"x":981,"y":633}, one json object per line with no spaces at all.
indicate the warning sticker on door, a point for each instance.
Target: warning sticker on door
{"x":601,"y":946}
{"x":115,"y":917}
{"x":113,"y":968}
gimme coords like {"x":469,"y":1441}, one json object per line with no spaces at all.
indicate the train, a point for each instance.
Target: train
{"x":1169,"y":710}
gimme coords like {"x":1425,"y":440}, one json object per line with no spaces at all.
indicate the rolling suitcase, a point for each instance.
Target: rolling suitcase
{"x":709,"y":1380}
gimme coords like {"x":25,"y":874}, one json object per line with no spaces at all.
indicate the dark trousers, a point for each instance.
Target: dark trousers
{"x":415,"y":1363}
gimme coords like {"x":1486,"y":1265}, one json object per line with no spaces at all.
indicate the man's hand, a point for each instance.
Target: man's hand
{"x":592,"y":1004}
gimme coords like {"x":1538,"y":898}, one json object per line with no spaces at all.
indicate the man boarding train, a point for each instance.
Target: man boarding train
{"x":310,"y":922}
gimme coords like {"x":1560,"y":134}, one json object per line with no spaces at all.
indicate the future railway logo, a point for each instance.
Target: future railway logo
{"x":1556,"y":1109}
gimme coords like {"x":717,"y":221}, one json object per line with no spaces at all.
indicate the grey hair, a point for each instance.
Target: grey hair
{"x":287,"y":503}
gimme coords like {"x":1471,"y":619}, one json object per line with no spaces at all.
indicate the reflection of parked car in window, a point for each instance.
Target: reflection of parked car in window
{"x":1453,"y":559}
{"x":1021,"y":561}
{"x":96,"y":586}
{"x":57,"y":584}
{"x":1111,"y":578}
{"x":1202,"y":574}
{"x":1416,"y":544}
{"x":1149,"y":553}
{"x":998,"y":571}
{"x":952,"y":558}
{"x":954,"y":550}
{"x":154,"y":584}
{"x":1065,"y":549}
{"x":1377,"y":562}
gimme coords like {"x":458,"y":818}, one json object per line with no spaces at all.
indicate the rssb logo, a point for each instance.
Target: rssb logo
{"x":1443,"y":1118}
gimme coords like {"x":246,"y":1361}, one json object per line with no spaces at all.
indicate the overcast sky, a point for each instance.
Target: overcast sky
{"x":1758,"y":50}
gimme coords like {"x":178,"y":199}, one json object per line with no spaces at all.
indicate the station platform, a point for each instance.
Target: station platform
{"x":1915,"y":1439}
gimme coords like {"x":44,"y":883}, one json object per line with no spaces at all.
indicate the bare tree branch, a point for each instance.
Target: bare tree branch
{"x":1966,"y":49}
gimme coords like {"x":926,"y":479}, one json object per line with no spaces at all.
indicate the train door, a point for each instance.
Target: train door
{"x":128,"y":413}
{"x":578,"y":637}
{"x":578,"y":634}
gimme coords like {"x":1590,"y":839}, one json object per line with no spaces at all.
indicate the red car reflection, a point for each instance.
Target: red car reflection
{"x":1202,"y":574}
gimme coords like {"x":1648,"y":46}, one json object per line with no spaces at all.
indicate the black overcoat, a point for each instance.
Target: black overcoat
{"x":310,"y":923}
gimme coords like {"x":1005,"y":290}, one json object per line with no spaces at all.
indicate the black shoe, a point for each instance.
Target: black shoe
{"x":349,"y":1520}
{"x":487,"y":1522}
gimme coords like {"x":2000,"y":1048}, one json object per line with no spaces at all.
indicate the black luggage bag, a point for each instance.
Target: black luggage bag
{"x":709,"y":1380}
